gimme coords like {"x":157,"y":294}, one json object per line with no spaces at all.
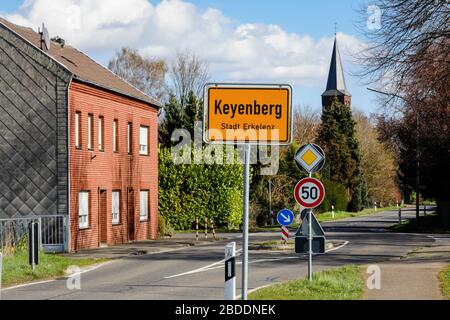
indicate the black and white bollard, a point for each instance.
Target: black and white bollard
{"x":230,"y":271}
{"x":33,"y":244}
{"x":399,"y":215}
{"x":196,"y":229}
{"x":213,"y":230}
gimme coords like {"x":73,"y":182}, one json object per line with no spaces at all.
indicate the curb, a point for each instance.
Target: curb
{"x":330,"y":245}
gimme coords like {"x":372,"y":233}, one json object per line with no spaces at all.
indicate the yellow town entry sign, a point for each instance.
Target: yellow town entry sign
{"x":240,"y":114}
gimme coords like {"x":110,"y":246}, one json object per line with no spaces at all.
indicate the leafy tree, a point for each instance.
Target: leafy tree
{"x":174,"y":119}
{"x":378,"y":164}
{"x":337,"y":137}
{"x":409,"y":57}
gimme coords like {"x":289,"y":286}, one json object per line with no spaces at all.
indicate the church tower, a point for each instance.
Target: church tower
{"x":336,"y":87}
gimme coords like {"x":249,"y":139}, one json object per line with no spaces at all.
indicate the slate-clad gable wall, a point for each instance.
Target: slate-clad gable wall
{"x":33,"y":130}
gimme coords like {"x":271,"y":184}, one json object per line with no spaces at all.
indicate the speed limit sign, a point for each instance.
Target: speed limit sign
{"x":309,"y":193}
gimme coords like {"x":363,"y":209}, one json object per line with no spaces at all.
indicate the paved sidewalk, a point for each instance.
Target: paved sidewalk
{"x":414,"y":277}
{"x":178,"y":242}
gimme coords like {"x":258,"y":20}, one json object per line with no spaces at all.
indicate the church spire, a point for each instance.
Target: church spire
{"x":336,"y":86}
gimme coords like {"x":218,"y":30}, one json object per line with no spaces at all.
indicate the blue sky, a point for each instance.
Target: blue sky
{"x":309,"y":23}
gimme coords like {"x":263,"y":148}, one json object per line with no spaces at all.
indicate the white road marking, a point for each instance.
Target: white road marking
{"x":62,"y":277}
{"x":220,"y":264}
{"x":205,"y":268}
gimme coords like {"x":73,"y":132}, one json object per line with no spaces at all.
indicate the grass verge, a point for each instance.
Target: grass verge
{"x":346,"y":283}
{"x":339,"y":215}
{"x":429,"y":224}
{"x":224,"y":230}
{"x":16,"y":269}
{"x":444,"y":278}
{"x":273,"y":243}
{"x":323,"y":217}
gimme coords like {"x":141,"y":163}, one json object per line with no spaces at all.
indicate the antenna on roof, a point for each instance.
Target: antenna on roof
{"x":45,"y":38}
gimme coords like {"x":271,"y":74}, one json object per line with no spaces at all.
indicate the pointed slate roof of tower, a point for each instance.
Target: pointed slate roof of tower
{"x":336,"y":79}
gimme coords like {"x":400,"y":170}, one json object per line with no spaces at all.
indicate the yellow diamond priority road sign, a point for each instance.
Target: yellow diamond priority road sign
{"x":310,"y":158}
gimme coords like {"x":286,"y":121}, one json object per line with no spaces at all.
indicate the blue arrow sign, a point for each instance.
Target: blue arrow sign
{"x":285,"y":217}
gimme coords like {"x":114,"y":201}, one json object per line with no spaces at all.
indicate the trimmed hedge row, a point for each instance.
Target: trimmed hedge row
{"x":187,"y":192}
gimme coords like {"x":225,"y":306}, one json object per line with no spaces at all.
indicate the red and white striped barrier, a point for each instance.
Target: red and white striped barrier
{"x":284,"y":234}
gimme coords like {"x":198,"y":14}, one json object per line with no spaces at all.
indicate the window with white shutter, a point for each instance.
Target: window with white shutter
{"x":101,"y":122}
{"x":83,"y":210}
{"x":78,"y":129}
{"x":116,"y":207}
{"x":130,"y":138}
{"x":90,"y":132}
{"x":116,"y":135}
{"x":143,"y":140}
{"x":143,"y":212}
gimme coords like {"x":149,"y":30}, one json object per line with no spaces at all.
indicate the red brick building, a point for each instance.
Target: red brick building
{"x":101,"y":142}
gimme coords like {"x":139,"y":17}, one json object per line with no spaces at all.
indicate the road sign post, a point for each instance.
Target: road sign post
{"x":309,"y":193}
{"x":246,"y":222}
{"x":245,"y":115}
{"x":285,"y":218}
{"x":230,"y":271}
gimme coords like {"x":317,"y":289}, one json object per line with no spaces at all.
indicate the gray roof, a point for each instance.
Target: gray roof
{"x":336,"y":79}
{"x":84,"y":68}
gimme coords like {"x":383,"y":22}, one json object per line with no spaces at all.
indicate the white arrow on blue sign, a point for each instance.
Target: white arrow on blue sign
{"x":285,"y":217}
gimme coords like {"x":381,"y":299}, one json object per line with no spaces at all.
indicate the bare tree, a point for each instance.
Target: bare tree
{"x":188,"y":74}
{"x":306,"y":124}
{"x":146,"y":74}
{"x":398,"y":47}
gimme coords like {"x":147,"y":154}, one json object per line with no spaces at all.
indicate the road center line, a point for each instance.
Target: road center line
{"x":219,"y":264}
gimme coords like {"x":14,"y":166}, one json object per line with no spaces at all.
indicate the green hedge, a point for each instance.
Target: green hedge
{"x":187,"y":192}
{"x":335,"y":194}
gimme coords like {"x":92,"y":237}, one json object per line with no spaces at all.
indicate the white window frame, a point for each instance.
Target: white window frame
{"x":130,"y":138}
{"x":83,"y":209}
{"x":144,"y":205}
{"x":115,"y":135}
{"x":115,"y":207}
{"x":90,"y":124}
{"x":101,"y":129}
{"x":77,"y":129}
{"x":144,"y":140}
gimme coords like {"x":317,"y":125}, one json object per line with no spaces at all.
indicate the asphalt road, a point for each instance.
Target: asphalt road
{"x":198,"y":273}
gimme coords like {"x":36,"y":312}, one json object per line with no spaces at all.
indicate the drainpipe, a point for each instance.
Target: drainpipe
{"x":67,"y":225}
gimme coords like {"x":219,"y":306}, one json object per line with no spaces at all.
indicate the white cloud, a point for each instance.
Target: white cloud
{"x":236,"y":52}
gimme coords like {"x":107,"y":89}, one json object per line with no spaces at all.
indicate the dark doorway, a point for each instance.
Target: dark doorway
{"x":131,"y":215}
{"x":103,"y":217}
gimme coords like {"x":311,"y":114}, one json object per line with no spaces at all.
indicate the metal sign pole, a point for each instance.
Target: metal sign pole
{"x":310,"y":254}
{"x":270,"y":202}
{"x":247,"y":151}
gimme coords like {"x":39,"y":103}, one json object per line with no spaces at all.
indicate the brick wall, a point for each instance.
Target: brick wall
{"x":95,"y":170}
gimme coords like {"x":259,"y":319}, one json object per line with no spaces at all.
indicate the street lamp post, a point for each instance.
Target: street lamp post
{"x":417,"y":150}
